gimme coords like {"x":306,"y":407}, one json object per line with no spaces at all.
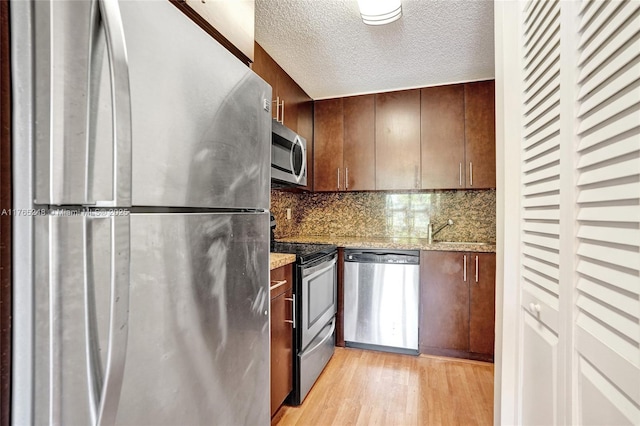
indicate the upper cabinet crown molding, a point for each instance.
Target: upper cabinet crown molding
{"x":230,"y":22}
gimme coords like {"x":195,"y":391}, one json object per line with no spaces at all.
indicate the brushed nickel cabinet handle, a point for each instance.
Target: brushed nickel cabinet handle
{"x":477,"y":270}
{"x":470,"y":173}
{"x":282,"y":117}
{"x":276,"y":284}
{"x":464,"y":268}
{"x":338,"y":178}
{"x":292,"y":299}
{"x":277,"y":102}
{"x":346,"y":178}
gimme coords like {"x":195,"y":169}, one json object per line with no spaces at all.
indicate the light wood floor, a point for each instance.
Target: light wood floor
{"x":374,"y":388}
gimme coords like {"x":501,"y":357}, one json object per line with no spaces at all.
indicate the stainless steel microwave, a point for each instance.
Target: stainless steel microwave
{"x":288,"y":157}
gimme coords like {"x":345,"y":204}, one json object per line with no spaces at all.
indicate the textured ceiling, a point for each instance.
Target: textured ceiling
{"x":327,"y":49}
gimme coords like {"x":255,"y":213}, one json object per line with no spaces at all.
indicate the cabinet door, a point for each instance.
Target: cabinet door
{"x":359,"y":143}
{"x":305,"y":129}
{"x":480,"y":134}
{"x":268,"y":70}
{"x":291,"y":96}
{"x":328,"y":144}
{"x":442,"y":118}
{"x":482,"y":267}
{"x":281,"y":350}
{"x":398,"y":140}
{"x":444,"y":301}
{"x":281,"y":336}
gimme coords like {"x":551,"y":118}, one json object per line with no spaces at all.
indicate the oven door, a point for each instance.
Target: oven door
{"x":319,"y":298}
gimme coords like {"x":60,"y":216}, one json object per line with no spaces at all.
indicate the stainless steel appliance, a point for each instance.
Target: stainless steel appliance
{"x":315,"y":288}
{"x":381,"y":296}
{"x":288,"y":157}
{"x":141,"y":275}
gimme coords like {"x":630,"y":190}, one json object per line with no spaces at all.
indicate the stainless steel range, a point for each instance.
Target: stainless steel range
{"x":315,"y":292}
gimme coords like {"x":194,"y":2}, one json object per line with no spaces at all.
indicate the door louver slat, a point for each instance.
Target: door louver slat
{"x":607,"y":306}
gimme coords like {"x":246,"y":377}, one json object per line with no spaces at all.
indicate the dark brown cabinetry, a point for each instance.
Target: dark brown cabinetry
{"x":480,"y":134}
{"x":345,"y":144}
{"x":443,"y":140}
{"x":359,"y":143}
{"x":281,"y":336}
{"x":328,"y":145}
{"x":458,"y":136}
{"x":291,"y":105}
{"x":433,"y":138}
{"x":457,"y":304}
{"x":482,"y":298}
{"x":397,"y":140}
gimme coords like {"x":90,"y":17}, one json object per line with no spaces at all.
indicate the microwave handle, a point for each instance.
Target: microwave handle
{"x":297,"y":141}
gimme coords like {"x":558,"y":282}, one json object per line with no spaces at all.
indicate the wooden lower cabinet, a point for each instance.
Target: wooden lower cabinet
{"x":482,"y":305}
{"x":457,"y":304}
{"x":281,"y":336}
{"x":444,"y":302}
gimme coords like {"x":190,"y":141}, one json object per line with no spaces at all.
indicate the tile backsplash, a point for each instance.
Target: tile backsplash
{"x":387,"y":214}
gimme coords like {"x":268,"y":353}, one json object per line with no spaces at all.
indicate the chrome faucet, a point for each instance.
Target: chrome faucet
{"x":431,"y":233}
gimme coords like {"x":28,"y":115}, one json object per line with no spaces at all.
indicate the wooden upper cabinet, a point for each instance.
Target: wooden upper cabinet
{"x":291,"y":97}
{"x":328,"y":145}
{"x":298,"y":106}
{"x":305,"y":129}
{"x":231,"y":23}
{"x":287,"y":95}
{"x":482,"y":266}
{"x":480,"y":134}
{"x":398,"y":140}
{"x":266,"y":67}
{"x":359,"y":143}
{"x":443,"y":138}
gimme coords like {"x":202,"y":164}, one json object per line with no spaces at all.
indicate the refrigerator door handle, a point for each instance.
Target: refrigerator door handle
{"x":121,"y":104}
{"x":104,"y":391}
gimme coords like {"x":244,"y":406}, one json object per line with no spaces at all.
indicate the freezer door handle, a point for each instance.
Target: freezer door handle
{"x":104,"y":391}
{"x":121,"y":104}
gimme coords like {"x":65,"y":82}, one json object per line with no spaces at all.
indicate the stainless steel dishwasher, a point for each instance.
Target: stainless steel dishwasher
{"x":381,"y":296}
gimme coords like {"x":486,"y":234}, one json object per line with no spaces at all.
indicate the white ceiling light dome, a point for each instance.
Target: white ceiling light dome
{"x":380,"y":12}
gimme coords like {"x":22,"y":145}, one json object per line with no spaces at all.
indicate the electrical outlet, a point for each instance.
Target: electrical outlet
{"x":288,"y":214}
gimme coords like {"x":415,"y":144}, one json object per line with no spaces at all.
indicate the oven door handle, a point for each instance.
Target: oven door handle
{"x":324,"y":339}
{"x":310,"y":273}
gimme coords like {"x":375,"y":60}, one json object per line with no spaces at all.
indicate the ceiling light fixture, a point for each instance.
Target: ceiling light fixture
{"x":380,"y":12}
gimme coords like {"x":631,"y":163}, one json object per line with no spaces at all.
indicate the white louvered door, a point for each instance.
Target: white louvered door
{"x":607,"y":308}
{"x":579,"y":284}
{"x":540,"y":231}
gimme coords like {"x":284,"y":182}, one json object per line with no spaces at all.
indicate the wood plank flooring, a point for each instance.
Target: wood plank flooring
{"x":374,"y":388}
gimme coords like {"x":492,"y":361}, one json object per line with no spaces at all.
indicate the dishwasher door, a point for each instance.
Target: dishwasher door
{"x":381,"y":297}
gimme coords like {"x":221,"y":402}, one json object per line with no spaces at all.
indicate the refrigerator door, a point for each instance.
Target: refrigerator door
{"x":201,"y":118}
{"x":139,"y":106}
{"x":196,"y":335}
{"x":81,"y":316}
{"x":198,"y":350}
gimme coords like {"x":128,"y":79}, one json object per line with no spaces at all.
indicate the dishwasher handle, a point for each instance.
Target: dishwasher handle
{"x":402,"y":257}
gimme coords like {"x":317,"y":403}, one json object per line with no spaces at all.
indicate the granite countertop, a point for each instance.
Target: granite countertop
{"x":392,"y":243}
{"x":276,"y":260}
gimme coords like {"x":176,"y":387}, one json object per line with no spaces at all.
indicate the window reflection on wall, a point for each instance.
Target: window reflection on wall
{"x":408,"y":214}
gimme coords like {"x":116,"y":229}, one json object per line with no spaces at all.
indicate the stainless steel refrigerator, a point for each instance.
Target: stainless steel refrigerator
{"x":142,"y":167}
